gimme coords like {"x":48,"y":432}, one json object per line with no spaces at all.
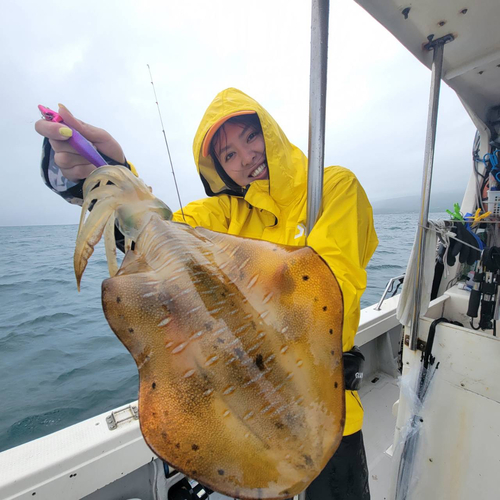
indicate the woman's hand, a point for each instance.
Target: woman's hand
{"x":73,"y":166}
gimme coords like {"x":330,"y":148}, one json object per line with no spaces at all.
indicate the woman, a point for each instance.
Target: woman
{"x":256,"y":182}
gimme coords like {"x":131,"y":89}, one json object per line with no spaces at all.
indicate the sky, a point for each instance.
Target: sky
{"x":92,"y":56}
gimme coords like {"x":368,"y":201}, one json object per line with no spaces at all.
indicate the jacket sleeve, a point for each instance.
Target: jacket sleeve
{"x":345,"y":238}
{"x":71,"y":191}
{"x":54,"y":180}
{"x":211,"y":213}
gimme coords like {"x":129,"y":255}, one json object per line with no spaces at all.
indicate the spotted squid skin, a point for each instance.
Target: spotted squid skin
{"x":238,"y":347}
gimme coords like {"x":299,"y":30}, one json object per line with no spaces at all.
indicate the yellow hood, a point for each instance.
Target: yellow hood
{"x":287,"y":164}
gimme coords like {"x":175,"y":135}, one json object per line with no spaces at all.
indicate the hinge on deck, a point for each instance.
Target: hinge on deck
{"x":131,"y":412}
{"x":421,"y":344}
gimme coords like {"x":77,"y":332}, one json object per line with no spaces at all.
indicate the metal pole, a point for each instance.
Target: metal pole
{"x":430,"y":141}
{"x":317,"y":108}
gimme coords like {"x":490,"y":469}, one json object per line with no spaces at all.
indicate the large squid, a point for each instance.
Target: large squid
{"x":237,"y":342}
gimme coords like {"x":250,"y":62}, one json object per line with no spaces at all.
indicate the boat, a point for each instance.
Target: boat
{"x":431,"y":389}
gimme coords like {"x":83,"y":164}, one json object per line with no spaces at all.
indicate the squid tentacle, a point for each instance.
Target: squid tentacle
{"x":110,"y":246}
{"x":89,"y":234}
{"x":117,"y":194}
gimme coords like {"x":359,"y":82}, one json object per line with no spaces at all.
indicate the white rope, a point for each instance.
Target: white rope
{"x":446,"y":234}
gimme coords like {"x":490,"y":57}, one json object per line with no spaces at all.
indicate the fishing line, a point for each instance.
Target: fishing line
{"x":166,"y":143}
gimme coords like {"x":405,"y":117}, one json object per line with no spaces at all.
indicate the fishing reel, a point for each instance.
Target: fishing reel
{"x":188,"y":489}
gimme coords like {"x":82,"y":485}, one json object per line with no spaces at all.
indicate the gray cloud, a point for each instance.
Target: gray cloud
{"x":92,"y":57}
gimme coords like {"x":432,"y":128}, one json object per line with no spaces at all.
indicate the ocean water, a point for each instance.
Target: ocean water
{"x":59,"y":361}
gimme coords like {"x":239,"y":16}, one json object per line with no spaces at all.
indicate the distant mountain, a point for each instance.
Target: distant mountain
{"x":439,"y":203}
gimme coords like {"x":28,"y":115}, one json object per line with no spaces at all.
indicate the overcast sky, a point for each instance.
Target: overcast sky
{"x":92,"y":56}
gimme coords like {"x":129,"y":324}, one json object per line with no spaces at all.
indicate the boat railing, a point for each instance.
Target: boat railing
{"x":390,"y":288}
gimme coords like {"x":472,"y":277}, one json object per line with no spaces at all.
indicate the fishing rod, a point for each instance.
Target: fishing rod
{"x":166,"y":143}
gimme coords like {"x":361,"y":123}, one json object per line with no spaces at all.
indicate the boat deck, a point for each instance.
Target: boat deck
{"x":378,"y":396}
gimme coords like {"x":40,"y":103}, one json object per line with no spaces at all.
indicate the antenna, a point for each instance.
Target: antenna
{"x":166,"y":143}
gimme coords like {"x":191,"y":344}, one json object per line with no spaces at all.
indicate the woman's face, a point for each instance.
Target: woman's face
{"x":242,"y":153}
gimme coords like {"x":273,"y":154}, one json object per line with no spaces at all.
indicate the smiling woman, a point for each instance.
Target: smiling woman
{"x":238,"y":147}
{"x":256,"y":182}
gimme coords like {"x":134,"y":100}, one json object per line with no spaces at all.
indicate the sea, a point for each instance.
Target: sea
{"x":59,"y":361}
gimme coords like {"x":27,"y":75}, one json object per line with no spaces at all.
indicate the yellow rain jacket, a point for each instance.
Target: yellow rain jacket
{"x":275,"y":210}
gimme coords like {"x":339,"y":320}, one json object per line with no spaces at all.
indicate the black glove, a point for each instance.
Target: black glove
{"x":354,"y":362}
{"x":465,"y":252}
{"x":491,"y":259}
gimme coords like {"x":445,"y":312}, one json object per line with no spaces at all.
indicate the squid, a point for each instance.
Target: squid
{"x":238,"y":342}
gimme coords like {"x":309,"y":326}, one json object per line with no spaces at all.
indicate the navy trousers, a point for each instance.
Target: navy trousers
{"x":345,"y":476}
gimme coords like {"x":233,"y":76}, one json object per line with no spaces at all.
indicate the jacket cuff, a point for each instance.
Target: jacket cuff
{"x":53,"y":178}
